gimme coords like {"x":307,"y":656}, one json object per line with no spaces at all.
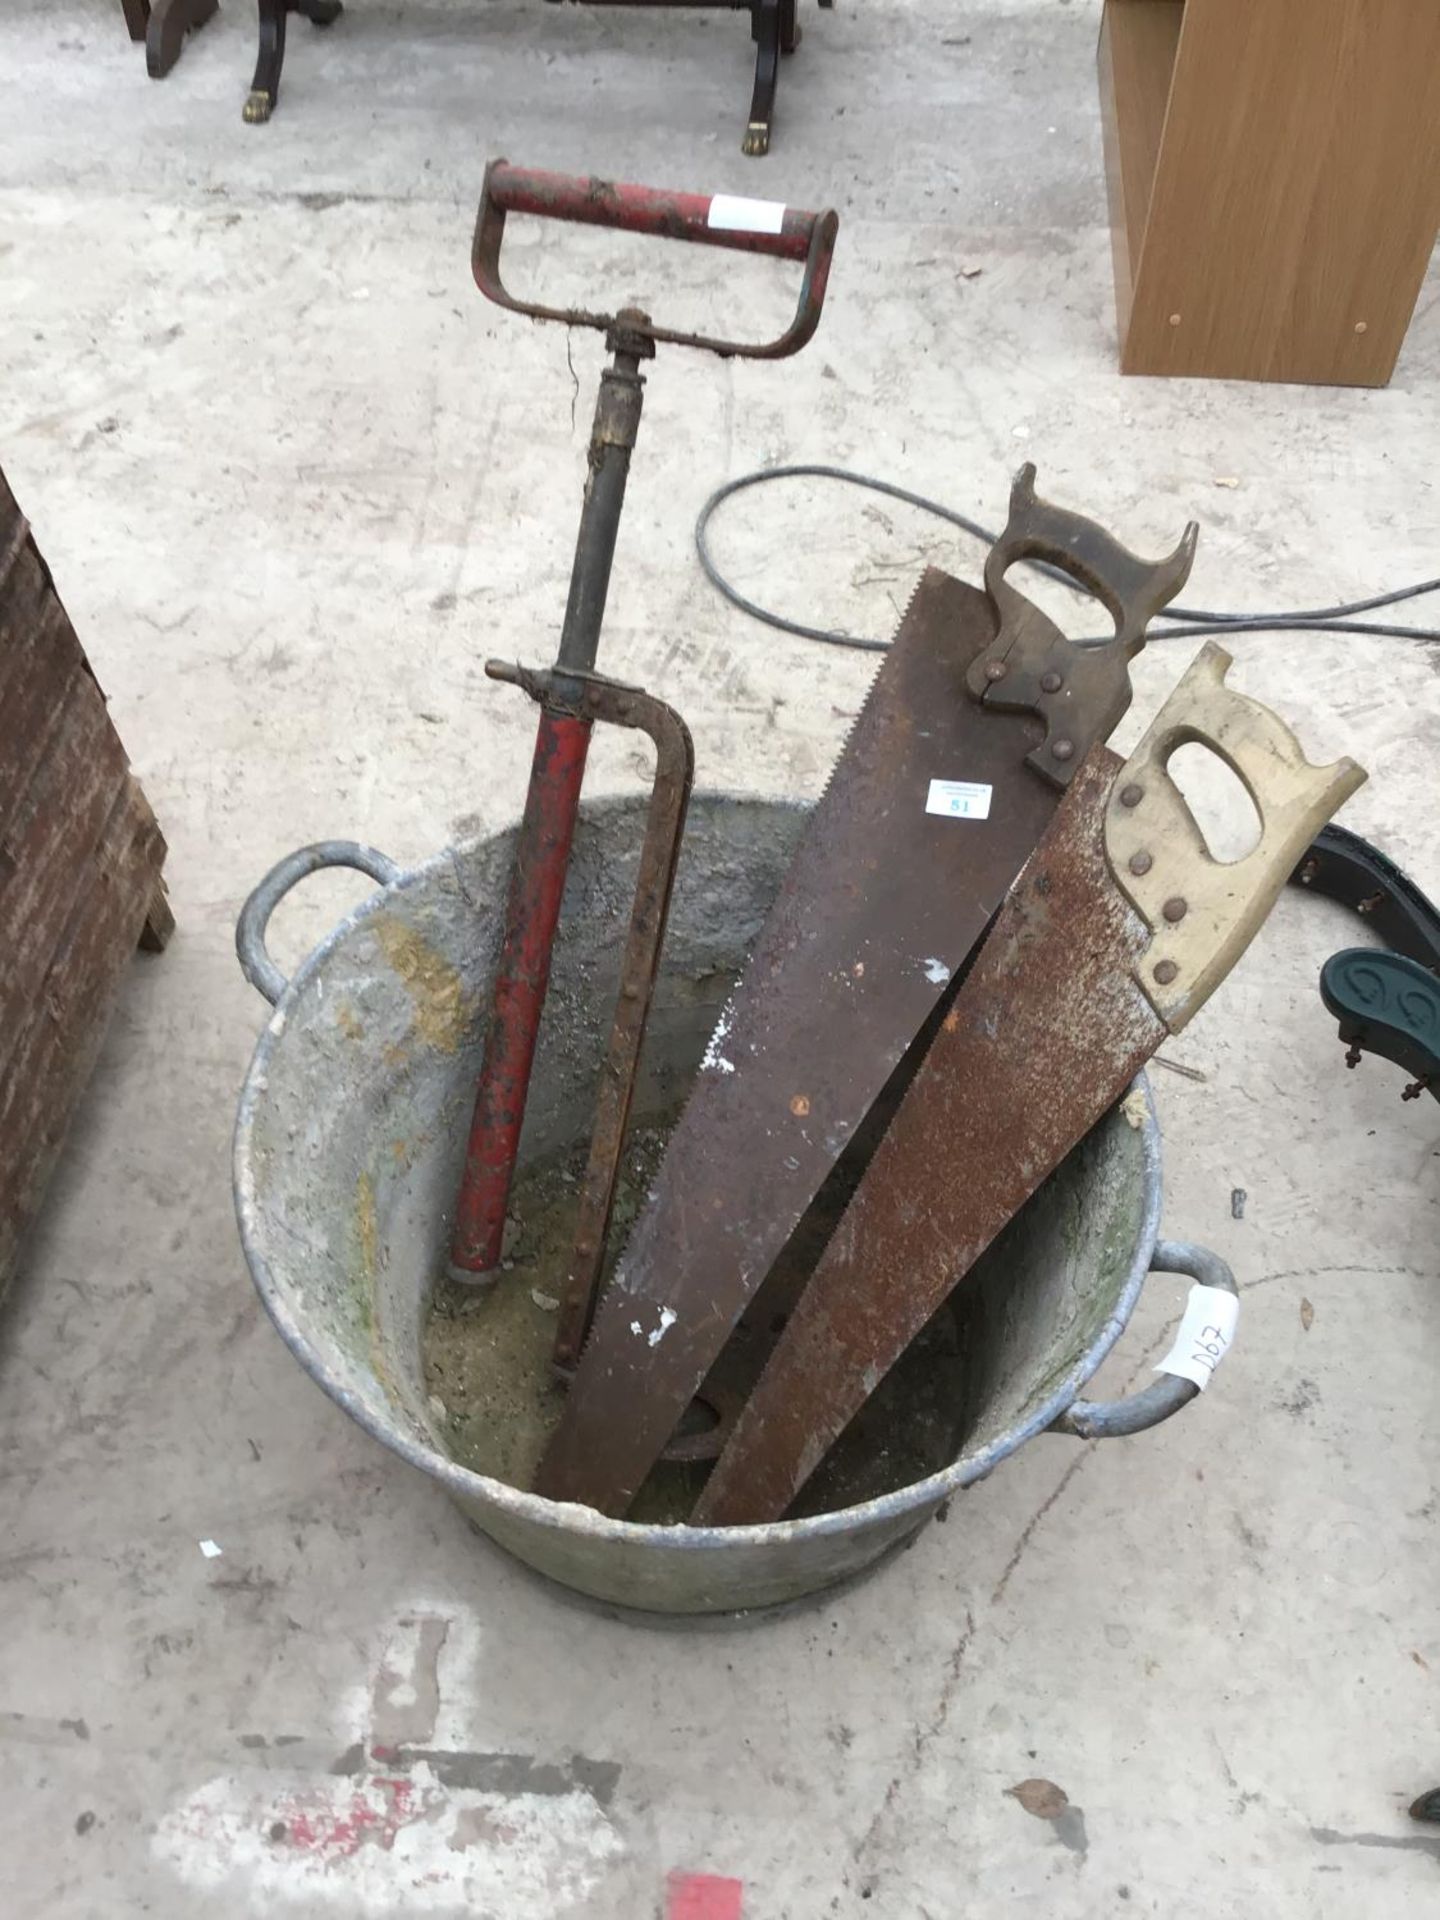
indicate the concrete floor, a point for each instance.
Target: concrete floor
{"x":295,"y":482}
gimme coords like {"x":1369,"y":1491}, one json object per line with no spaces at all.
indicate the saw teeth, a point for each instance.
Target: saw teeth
{"x":849,"y":734}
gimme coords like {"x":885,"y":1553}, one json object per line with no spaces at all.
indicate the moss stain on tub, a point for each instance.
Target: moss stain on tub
{"x":443,"y":1010}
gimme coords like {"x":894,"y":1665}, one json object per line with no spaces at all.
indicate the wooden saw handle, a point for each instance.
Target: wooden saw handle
{"x":1202,"y":912}
{"x":1078,"y":692}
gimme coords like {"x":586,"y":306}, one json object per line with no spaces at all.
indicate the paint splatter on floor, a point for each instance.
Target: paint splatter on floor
{"x":384,"y":1843}
{"x":703,"y":1896}
{"x":399,"y":1820}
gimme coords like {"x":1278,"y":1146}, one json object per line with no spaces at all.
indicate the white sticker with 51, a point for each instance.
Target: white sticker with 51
{"x":959,"y":799}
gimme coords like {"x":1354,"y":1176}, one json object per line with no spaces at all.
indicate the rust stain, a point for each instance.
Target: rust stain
{"x":442,"y":1008}
{"x":348,"y":1024}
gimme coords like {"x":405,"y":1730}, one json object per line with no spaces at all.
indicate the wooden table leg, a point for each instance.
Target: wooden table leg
{"x":265,"y":87}
{"x":170,"y":21}
{"x":765,"y":31}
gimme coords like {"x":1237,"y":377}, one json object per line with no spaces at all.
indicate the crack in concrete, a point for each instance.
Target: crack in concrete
{"x":921,"y":1739}
{"x":1402,"y":1843}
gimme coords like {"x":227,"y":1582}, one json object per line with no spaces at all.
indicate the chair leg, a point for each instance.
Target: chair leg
{"x":170,"y":21}
{"x":137,"y":17}
{"x":265,"y":87}
{"x":765,"y":31}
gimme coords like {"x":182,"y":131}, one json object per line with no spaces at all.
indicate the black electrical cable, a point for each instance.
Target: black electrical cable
{"x":1183,"y":620}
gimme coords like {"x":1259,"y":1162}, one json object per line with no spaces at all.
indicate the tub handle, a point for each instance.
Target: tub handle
{"x":255,"y":962}
{"x":1112,"y":1419}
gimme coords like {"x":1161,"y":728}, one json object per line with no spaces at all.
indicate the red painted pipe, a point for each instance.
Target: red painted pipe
{"x":750,"y":226}
{"x":532,"y":910}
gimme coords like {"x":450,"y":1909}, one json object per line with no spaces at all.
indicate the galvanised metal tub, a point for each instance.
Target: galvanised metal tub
{"x":352,"y":1122}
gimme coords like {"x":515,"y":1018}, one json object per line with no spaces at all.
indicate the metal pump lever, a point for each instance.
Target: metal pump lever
{"x":567,"y":696}
{"x":711,"y":220}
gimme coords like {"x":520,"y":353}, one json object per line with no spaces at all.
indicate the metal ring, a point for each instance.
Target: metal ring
{"x":255,"y":962}
{"x":1112,"y":1419}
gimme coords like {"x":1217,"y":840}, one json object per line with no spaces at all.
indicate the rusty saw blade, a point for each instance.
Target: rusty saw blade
{"x":1115,"y":934}
{"x":929,"y":815}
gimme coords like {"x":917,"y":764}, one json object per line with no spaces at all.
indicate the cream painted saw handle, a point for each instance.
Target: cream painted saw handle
{"x":1202,"y":912}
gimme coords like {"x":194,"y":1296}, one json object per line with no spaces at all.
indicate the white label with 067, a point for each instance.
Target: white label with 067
{"x":1206,"y":1331}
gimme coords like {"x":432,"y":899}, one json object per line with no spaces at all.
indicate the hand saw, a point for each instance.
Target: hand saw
{"x":930,"y":813}
{"x":1116,"y":933}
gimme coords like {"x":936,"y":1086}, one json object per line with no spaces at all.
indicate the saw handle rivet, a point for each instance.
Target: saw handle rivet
{"x":1062,"y":749}
{"x":1132,"y":796}
{"x":1051,"y":682}
{"x":1140,"y":862}
{"x":1174,"y":909}
{"x":994,"y":669}
{"x":1166,"y":972}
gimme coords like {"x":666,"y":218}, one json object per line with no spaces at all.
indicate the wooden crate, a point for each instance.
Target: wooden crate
{"x":80,"y":885}
{"x":1274,"y":177}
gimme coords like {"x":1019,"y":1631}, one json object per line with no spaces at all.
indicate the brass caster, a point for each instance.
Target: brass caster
{"x":757,"y":139}
{"x":258,"y":107}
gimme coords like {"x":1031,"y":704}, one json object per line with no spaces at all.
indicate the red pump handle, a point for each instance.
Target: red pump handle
{"x":716,"y":220}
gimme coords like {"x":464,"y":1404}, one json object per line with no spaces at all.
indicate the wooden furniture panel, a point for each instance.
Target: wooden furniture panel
{"x":80,"y":862}
{"x":1137,"y":58}
{"x":49,"y":836}
{"x":55,"y":1049}
{"x":1274,"y":178}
